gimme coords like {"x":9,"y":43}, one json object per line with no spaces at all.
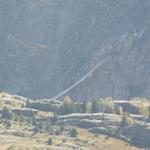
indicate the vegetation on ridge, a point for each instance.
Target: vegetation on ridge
{"x":24,"y":118}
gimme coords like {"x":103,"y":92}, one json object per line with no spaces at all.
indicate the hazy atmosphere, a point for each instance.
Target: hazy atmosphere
{"x":74,"y":74}
{"x":48,"y":45}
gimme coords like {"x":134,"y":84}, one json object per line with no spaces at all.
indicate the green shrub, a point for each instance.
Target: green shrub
{"x":127,"y":120}
{"x":36,"y":130}
{"x":106,"y":105}
{"x":68,"y":105}
{"x":61,"y":128}
{"x":143,"y":109}
{"x":50,"y":141}
{"x":2,"y":104}
{"x":7,"y":123}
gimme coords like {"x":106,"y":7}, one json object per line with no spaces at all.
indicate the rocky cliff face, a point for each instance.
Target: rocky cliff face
{"x":47,"y":45}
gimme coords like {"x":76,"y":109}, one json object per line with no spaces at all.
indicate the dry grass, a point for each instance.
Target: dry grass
{"x":85,"y":141}
{"x":45,"y":114}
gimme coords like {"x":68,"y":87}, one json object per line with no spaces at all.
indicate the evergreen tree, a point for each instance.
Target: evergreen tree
{"x":78,"y":107}
{"x":84,"y":107}
{"x":74,"y":133}
{"x":94,"y":107}
{"x":7,"y":113}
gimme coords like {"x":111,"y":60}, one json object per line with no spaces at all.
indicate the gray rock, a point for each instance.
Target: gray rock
{"x":46,"y":46}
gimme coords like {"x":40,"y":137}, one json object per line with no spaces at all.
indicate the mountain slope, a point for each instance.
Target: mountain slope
{"x":46,"y":46}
